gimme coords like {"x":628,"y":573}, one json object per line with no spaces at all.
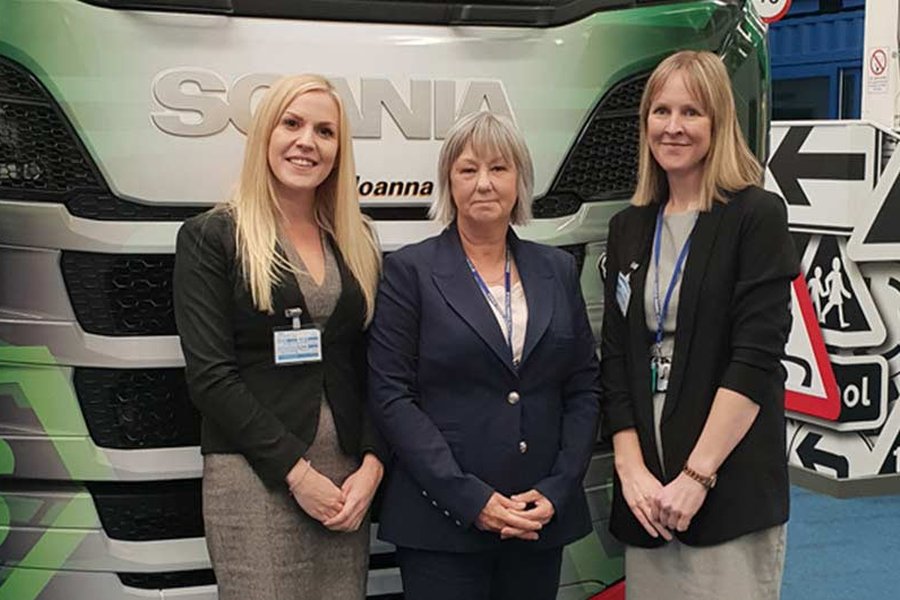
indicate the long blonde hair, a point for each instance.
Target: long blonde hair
{"x":255,"y":209}
{"x":729,"y":165}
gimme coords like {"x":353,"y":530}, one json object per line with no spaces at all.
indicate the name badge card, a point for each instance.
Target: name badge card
{"x":623,"y":292}
{"x":297,"y":346}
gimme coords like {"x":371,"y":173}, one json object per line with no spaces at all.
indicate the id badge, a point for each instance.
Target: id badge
{"x":623,"y":292}
{"x":297,"y":346}
{"x":659,"y":373}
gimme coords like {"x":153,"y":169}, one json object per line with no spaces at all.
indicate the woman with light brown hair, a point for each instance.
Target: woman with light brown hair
{"x":273,"y":291}
{"x":701,"y":266}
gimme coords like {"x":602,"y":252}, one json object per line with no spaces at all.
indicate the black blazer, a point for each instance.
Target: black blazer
{"x":733,"y":322}
{"x":249,"y":405}
{"x":441,"y":379}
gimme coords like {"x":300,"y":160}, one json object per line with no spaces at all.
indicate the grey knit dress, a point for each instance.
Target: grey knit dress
{"x":261,"y":543}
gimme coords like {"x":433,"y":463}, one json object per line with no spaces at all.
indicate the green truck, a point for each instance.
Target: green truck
{"x":121,"y":118}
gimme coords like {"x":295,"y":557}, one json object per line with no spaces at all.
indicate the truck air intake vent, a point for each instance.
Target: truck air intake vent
{"x":121,"y":295}
{"x":603,"y":163}
{"x":43,"y":160}
{"x":172,"y":579}
{"x":106,"y":207}
{"x":140,"y":512}
{"x":40,"y":158}
{"x":137,"y":408}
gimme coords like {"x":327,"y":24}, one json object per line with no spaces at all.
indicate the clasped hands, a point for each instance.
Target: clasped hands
{"x":512,"y":518}
{"x":337,"y":508}
{"x":662,"y":509}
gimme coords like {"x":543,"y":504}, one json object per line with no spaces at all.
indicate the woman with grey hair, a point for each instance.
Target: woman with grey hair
{"x":483,"y":380}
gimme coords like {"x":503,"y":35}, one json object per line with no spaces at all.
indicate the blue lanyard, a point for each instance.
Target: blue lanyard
{"x":507,"y":314}
{"x":679,"y":263}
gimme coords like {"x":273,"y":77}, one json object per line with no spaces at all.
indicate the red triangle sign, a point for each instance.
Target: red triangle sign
{"x":811,"y":388}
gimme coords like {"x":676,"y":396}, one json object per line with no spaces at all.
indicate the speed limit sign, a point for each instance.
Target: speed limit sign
{"x":772,"y":10}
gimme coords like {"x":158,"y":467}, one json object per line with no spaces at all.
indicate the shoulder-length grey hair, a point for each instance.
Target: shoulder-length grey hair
{"x":488,"y":134}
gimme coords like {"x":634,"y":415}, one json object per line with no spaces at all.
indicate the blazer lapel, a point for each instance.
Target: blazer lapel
{"x":636,"y":315}
{"x":454,"y":281}
{"x":535,"y":275}
{"x":350,"y":304}
{"x":702,"y":240}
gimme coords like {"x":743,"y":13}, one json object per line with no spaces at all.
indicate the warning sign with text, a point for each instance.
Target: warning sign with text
{"x":876,"y":70}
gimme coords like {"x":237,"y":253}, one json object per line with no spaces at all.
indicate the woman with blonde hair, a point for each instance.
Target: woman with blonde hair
{"x":273,"y":291}
{"x":701,"y":266}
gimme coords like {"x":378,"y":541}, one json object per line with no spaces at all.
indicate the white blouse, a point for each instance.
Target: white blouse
{"x":520,"y":315}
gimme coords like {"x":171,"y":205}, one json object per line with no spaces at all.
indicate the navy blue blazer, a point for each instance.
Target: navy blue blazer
{"x":441,"y":383}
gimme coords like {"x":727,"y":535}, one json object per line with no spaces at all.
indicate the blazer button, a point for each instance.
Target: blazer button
{"x":434,"y":503}
{"x":424,"y":494}
{"x":513,"y":398}
{"x":523,"y":447}
{"x":458,"y":524}
{"x":446,"y":513}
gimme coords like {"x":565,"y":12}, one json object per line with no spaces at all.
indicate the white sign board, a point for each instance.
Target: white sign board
{"x":877,"y":64}
{"x":844,"y":455}
{"x":876,"y":235}
{"x":824,"y":171}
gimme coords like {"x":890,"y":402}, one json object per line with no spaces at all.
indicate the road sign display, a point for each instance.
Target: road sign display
{"x":823,"y":172}
{"x":876,"y":232}
{"x":844,"y":307}
{"x":841,"y":186}
{"x":844,"y":455}
{"x":811,"y":389}
{"x":883,"y":280}
{"x":771,"y":11}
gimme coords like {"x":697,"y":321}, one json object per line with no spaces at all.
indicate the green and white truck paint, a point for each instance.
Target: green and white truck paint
{"x":120,"y":118}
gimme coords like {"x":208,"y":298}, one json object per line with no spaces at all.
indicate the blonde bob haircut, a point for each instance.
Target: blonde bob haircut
{"x":489,"y":135}
{"x":729,"y":165}
{"x":256,"y":211}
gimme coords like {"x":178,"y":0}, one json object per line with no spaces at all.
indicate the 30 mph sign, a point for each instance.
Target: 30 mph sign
{"x":772,"y":10}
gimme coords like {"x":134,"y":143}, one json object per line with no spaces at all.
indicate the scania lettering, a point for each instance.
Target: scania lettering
{"x":189,"y":93}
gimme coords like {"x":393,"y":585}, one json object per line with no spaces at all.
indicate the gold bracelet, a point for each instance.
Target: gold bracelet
{"x":707,"y":481}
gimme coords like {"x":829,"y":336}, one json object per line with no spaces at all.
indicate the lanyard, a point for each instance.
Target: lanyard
{"x":507,"y":314}
{"x":676,"y":272}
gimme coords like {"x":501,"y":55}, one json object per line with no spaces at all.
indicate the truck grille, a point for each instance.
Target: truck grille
{"x":137,"y":408}
{"x":39,"y":155}
{"x":42,"y":159}
{"x":603,"y":163}
{"x":172,"y":579}
{"x":128,"y":294}
{"x":106,"y":207}
{"x":140,"y":512}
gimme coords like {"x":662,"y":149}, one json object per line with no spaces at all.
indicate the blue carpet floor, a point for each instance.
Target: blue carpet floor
{"x":842,"y":549}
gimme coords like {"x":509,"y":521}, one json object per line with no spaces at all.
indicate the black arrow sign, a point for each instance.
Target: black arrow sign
{"x":788,"y":165}
{"x":810,"y":456}
{"x":884,"y":229}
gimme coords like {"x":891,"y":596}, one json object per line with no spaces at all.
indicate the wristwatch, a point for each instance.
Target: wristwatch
{"x":707,"y":481}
